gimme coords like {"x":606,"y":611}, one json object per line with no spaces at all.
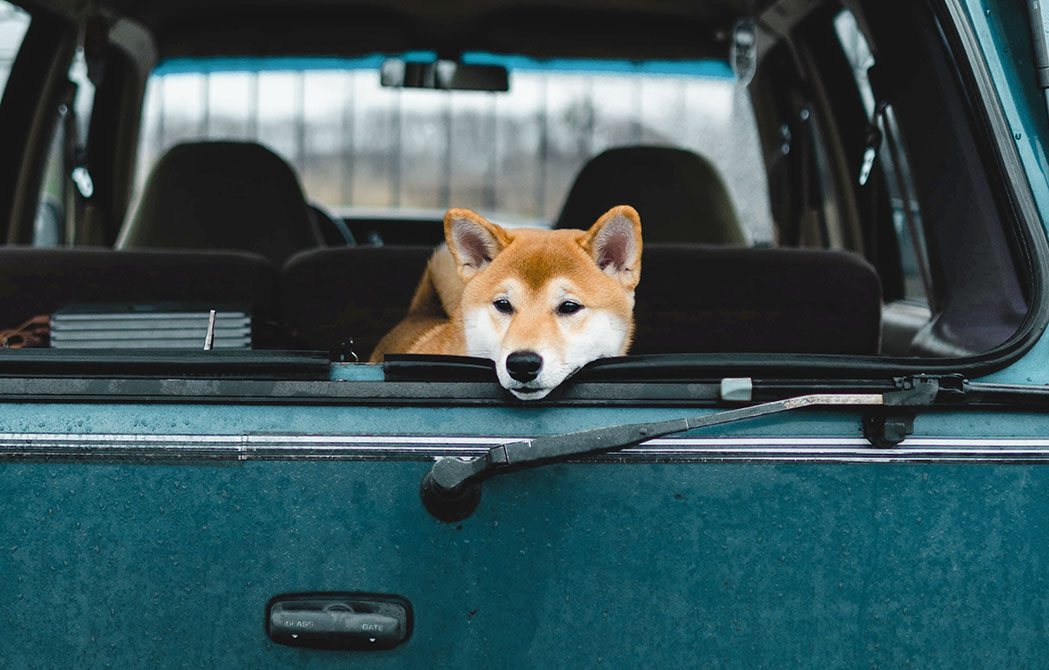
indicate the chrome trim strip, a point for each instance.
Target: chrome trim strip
{"x":237,"y":448}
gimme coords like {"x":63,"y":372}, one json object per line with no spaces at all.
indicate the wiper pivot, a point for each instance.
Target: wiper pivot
{"x":888,"y":426}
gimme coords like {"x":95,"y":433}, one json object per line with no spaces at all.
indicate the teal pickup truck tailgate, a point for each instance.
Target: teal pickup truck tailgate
{"x":154,"y":536}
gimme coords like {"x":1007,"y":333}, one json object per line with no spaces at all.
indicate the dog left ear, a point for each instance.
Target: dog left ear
{"x":614,"y":242}
{"x":473,"y":240}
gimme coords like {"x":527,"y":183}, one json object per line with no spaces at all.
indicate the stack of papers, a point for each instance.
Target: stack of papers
{"x":158,"y":326}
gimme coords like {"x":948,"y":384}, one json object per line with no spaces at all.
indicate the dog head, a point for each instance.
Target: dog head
{"x":543,"y":303}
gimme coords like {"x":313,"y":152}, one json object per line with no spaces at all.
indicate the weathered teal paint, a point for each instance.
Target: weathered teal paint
{"x":1002,"y":28}
{"x":510,"y":420}
{"x":685,"y":565}
{"x":356,"y":372}
{"x":698,"y":566}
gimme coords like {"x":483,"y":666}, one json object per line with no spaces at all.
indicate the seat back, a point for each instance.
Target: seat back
{"x":38,"y":281}
{"x":329,"y":296}
{"x":222,"y":195}
{"x":679,"y":195}
{"x":692,"y":298}
{"x":695,"y":298}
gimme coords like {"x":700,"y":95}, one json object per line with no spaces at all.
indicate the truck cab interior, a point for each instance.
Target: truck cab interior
{"x":787,"y":159}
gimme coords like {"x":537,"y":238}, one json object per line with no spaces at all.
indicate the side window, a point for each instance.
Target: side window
{"x":13,"y":25}
{"x":66,"y":182}
{"x":57,"y":201}
{"x":885,"y":154}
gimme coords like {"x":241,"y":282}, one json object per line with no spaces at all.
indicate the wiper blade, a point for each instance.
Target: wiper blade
{"x":451,"y":490}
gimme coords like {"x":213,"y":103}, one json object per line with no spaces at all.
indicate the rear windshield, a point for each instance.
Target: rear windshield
{"x":512,"y":155}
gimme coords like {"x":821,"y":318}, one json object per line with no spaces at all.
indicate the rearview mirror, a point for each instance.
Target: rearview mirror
{"x":443,"y":74}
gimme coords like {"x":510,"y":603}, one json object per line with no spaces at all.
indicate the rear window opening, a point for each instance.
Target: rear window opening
{"x":359,"y":147}
{"x":791,"y":206}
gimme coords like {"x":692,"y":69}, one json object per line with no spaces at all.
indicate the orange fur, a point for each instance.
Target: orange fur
{"x":482,"y":261}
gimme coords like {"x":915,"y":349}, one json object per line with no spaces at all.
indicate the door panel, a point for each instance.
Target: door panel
{"x":831,"y":561}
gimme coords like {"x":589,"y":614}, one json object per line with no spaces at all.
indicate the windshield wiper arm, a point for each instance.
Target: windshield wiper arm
{"x":451,"y":489}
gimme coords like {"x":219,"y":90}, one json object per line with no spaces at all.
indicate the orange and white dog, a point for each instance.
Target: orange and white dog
{"x":540,"y":303}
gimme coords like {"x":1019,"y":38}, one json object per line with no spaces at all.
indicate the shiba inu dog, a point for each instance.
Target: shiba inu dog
{"x":540,"y":303}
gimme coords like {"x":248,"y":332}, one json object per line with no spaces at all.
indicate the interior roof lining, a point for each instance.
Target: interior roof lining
{"x":645,"y":29}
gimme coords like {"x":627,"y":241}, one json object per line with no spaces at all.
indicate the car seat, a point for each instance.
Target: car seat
{"x":222,"y":195}
{"x":37,"y":281}
{"x":679,"y":194}
{"x":692,"y":298}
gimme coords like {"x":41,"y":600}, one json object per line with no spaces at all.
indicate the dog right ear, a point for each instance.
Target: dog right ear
{"x":614,"y":242}
{"x":473,"y":241}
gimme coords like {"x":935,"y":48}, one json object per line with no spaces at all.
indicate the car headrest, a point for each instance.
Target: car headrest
{"x":679,"y":195}
{"x":222,"y":195}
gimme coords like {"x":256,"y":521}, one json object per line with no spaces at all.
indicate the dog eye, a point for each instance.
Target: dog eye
{"x":569,"y":307}
{"x":503,"y":305}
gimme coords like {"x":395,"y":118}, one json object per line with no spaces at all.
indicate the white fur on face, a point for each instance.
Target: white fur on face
{"x":572,"y":341}
{"x":483,"y":335}
{"x":601,"y":335}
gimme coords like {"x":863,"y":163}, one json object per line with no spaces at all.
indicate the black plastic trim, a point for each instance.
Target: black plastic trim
{"x":150,"y":363}
{"x":390,"y":605}
{"x":684,"y":393}
{"x":284,"y":392}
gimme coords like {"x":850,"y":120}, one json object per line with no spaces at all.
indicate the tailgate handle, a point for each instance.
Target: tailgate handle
{"x":339,"y":620}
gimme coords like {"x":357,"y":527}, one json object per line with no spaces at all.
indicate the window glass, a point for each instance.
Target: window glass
{"x":65,"y":177}
{"x":892,"y":161}
{"x":13,"y":24}
{"x":512,"y":155}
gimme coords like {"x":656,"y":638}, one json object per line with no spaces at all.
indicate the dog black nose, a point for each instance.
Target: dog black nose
{"x":524,"y":365}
